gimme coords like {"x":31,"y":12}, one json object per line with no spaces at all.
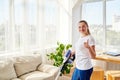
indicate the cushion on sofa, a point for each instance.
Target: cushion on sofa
{"x":26,"y":64}
{"x":7,"y":71}
{"x":16,"y":79}
{"x":37,"y":75}
{"x":49,"y":69}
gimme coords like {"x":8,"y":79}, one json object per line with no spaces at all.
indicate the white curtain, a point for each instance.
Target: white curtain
{"x":35,"y":25}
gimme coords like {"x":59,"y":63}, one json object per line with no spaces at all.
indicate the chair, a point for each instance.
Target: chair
{"x":113,"y":75}
{"x":98,"y":73}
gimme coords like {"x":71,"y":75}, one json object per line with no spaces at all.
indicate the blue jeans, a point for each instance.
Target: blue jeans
{"x":82,"y":74}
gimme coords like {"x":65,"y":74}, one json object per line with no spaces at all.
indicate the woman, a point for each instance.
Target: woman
{"x":84,"y":51}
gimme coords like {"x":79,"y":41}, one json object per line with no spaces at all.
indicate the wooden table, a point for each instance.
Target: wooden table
{"x":108,"y":58}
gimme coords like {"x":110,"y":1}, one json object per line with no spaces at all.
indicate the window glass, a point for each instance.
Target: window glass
{"x":50,"y":22}
{"x":19,"y":21}
{"x":4,"y":21}
{"x":93,"y":13}
{"x":31,"y":21}
{"x":113,"y":24}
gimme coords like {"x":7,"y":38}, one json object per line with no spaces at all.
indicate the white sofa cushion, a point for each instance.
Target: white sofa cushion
{"x":7,"y":71}
{"x":26,"y":64}
{"x":16,"y":79}
{"x":53,"y":70}
{"x":37,"y":75}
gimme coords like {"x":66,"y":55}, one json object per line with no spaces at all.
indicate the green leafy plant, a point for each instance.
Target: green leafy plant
{"x":58,"y":56}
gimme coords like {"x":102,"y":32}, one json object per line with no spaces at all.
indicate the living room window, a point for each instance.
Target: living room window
{"x":18,"y":22}
{"x":65,"y":21}
{"x":4,"y":22}
{"x":104,"y":20}
{"x":113,"y":24}
{"x":50,"y":28}
{"x":31,"y":11}
{"x":93,"y":13}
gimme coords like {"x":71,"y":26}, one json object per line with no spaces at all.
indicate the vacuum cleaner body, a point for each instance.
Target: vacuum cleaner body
{"x":67,"y":59}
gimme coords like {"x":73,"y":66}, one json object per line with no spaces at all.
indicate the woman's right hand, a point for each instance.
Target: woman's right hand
{"x":72,"y":53}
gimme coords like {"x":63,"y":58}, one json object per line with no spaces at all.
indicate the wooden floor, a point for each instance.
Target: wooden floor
{"x":64,"y":78}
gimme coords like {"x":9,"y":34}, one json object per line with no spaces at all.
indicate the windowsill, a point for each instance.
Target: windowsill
{"x":28,"y":51}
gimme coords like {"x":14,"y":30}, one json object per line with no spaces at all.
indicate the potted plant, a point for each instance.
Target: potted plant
{"x":58,"y":56}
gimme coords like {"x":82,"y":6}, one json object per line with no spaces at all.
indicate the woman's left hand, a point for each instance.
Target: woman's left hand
{"x":86,"y":44}
{"x":91,"y":49}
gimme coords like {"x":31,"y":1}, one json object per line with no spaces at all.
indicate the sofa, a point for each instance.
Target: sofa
{"x":26,"y":67}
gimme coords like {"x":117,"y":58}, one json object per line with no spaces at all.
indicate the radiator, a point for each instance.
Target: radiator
{"x":112,"y":66}
{"x":106,"y":65}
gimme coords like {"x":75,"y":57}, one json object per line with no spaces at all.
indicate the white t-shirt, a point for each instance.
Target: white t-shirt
{"x":83,"y":58}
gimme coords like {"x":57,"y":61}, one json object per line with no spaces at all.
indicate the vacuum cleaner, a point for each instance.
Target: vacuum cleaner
{"x":67,"y":59}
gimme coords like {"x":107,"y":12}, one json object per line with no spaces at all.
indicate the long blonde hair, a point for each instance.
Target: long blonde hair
{"x":86,"y":24}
